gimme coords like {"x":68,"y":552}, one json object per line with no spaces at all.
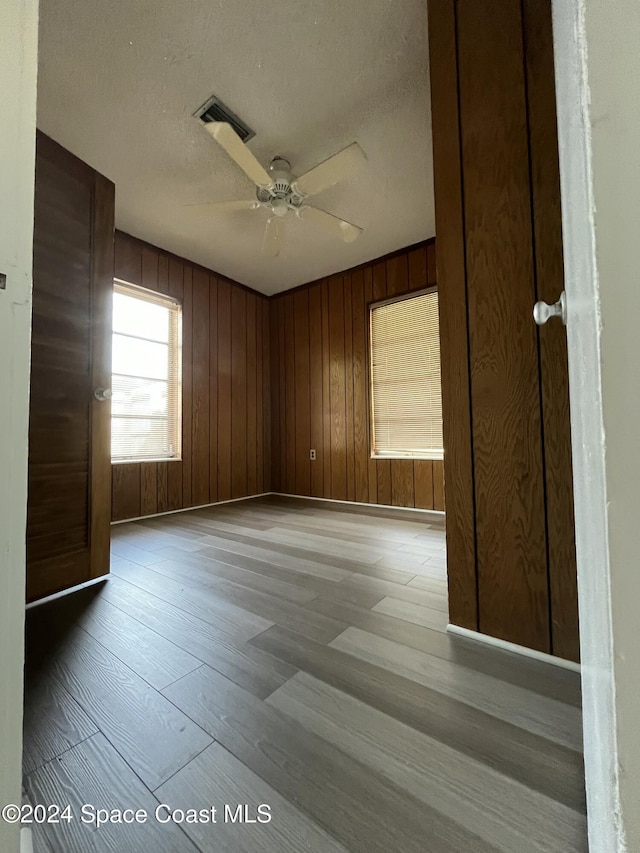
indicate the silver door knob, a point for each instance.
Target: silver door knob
{"x":103,"y":394}
{"x":542,"y":311}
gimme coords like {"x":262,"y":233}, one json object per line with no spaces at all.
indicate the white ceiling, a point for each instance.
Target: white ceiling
{"x":119,"y":81}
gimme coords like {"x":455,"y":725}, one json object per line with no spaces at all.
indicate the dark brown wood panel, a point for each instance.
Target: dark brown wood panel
{"x":238,"y":393}
{"x":320,"y":396}
{"x":547,"y":218}
{"x":224,"y":434}
{"x":69,"y":471}
{"x":303,"y":388}
{"x":507,"y":440}
{"x":452,"y":303}
{"x":513,"y":593}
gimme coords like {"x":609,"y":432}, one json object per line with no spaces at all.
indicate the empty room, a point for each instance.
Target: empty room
{"x":300,"y":544}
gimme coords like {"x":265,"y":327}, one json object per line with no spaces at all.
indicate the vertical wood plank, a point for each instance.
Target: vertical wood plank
{"x":371,"y":464}
{"x":402,"y":486}
{"x":397,"y":275}
{"x":302,"y":392}
{"x":315,"y":381}
{"x":547,"y":221}
{"x":337,"y":389}
{"x":432,"y":275}
{"x":213,"y":388}
{"x":163,"y":272}
{"x":174,"y":471}
{"x":125,"y":491}
{"x":326,"y":392}
{"x":259,"y":395}
{"x":348,"y":379}
{"x":513,"y":592}
{"x":423,"y":482}
{"x":224,"y":390}
{"x":238,"y":392}
{"x":128,"y":259}
{"x":452,"y":300}
{"x":187,"y":385}
{"x":382,"y":466}
{"x":438,"y":485}
{"x":267,"y":484}
{"x":285,"y":394}
{"x":148,"y":488}
{"x":418,"y":273}
{"x":290,"y":382}
{"x":162,"y":480}
{"x":360,"y":413}
{"x":276,"y":391}
{"x":251,"y":443}
{"x":200,"y":399}
{"x":150,"y":267}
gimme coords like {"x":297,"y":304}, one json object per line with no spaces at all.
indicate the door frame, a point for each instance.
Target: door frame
{"x":573,"y":66}
{"x":606,"y":829}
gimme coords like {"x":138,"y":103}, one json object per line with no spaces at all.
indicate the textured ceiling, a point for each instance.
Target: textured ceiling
{"x":119,"y":81}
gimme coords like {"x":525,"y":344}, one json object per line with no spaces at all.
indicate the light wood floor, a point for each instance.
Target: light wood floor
{"x":293,"y":654}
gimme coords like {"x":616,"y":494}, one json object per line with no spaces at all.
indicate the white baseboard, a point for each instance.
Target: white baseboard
{"x":64,"y":592}
{"x":190,"y":508}
{"x":439,"y":513}
{"x":512,"y":647}
{"x":26,"y":840}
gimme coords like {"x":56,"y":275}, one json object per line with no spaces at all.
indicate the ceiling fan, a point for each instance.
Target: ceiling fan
{"x":280,"y":193}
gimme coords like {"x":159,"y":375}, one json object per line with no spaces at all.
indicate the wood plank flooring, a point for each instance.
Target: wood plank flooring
{"x":293,"y":655}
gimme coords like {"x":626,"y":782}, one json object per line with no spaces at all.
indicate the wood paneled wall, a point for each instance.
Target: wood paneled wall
{"x":320,"y":395}
{"x":226,"y":434}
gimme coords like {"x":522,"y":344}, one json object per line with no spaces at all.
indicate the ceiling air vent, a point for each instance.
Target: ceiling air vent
{"x":215,"y":110}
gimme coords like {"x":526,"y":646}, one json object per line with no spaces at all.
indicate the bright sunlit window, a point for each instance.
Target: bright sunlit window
{"x":406,"y":405}
{"x":146,"y":410}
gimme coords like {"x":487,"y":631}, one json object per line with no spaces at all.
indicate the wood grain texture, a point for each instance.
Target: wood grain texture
{"x":547,"y":224}
{"x":223,"y":323}
{"x":94,"y":772}
{"x":361,"y":729}
{"x":152,"y":735}
{"x":216,"y":776}
{"x":319,"y":372}
{"x":69,"y":479}
{"x":371,"y":807}
{"x":53,"y":720}
{"x":512,"y":816}
{"x":452,"y":306}
{"x":513,"y":593}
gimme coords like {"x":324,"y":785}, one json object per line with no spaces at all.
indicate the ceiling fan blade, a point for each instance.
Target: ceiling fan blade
{"x":328,"y":173}
{"x":272,"y":243}
{"x":224,"y":206}
{"x":340,"y":227}
{"x":226,"y":136}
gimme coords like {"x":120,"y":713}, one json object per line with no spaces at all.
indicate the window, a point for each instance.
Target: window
{"x":146,"y":406}
{"x":406,"y":405}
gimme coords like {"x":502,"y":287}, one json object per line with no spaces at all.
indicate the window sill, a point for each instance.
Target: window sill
{"x":409,"y":457}
{"x":140,"y":461}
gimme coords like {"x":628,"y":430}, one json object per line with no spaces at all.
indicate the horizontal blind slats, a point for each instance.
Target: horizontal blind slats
{"x":405,"y":377}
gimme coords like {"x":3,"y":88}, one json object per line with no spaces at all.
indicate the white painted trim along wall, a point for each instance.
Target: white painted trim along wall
{"x":598,"y":87}
{"x":18,"y":71}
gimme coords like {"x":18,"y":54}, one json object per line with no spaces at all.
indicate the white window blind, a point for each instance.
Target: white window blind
{"x":146,"y":407}
{"x":406,"y":402}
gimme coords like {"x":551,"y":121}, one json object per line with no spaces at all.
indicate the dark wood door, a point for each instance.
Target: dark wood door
{"x":510,"y":528}
{"x":69,"y":506}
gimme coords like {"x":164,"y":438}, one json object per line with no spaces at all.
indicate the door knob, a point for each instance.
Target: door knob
{"x":103,"y":394}
{"x":542,"y":311}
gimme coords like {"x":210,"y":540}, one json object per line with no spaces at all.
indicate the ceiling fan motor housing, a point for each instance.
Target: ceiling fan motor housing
{"x":279,"y":197}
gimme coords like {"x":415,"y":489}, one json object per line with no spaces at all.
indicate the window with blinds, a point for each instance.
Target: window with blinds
{"x":146,"y":408}
{"x":406,"y":404}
